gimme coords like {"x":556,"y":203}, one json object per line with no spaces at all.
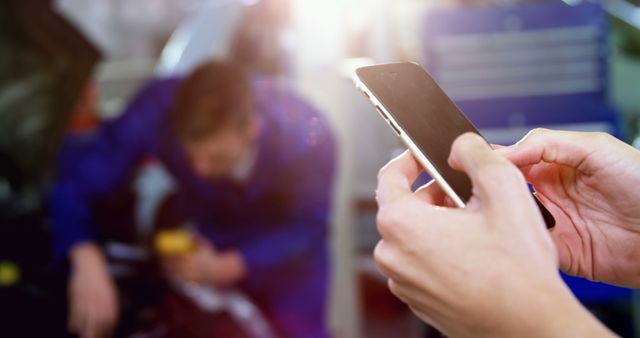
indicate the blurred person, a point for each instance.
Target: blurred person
{"x":254,"y":165}
{"x":254,"y":34}
{"x":491,"y":269}
{"x":259,"y":40}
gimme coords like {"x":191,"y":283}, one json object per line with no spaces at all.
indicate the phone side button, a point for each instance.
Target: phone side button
{"x":384,"y":116}
{"x":393,"y":126}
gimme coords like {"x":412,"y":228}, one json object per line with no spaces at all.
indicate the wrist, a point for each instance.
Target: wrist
{"x":87,"y":255}
{"x":571,"y":319}
{"x":552,"y":311}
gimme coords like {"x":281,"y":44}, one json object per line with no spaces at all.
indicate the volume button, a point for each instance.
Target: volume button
{"x":381,"y":113}
{"x":394,"y":127}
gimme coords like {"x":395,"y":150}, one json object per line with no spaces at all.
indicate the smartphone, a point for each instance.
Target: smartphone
{"x":426,"y":119}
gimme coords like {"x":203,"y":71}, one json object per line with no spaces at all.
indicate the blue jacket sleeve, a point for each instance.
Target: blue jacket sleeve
{"x":305,"y":229}
{"x":92,"y":168}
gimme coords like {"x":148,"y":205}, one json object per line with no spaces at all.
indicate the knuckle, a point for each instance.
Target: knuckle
{"x":385,"y":219}
{"x":383,"y":258}
{"x":392,"y":221}
{"x":536,"y":132}
{"x":378,"y":251}
{"x":601,"y":137}
{"x":394,"y":288}
{"x":382,"y":172}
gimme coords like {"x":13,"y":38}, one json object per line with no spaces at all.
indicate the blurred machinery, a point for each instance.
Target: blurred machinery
{"x":514,"y":67}
{"x":45,"y":67}
{"x":205,"y":33}
{"x":45,"y":64}
{"x":249,"y":32}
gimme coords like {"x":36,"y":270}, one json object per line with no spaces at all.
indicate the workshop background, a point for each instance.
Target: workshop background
{"x":511,"y":65}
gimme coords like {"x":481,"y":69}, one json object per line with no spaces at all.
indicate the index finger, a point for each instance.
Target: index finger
{"x":395,"y":178}
{"x":567,"y":148}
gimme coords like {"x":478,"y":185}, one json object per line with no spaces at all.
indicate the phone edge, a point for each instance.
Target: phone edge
{"x":424,"y":161}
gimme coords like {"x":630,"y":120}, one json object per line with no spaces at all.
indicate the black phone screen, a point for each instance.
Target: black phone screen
{"x":428,"y":116}
{"x":424,"y":112}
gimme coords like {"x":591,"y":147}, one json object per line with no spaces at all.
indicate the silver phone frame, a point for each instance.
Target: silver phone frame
{"x":428,"y":166}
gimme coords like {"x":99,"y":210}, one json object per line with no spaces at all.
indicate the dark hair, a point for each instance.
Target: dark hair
{"x":214,"y":95}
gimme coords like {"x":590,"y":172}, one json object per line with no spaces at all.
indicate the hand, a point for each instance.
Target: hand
{"x":590,"y":182}
{"x":206,"y":266}
{"x":489,"y":269}
{"x":92,"y":295}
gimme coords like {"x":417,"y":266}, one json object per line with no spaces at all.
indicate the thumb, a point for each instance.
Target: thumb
{"x":496,"y":182}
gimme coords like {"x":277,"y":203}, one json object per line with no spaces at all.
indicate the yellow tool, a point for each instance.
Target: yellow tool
{"x":174,"y":242}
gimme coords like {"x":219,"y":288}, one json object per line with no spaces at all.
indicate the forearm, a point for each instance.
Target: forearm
{"x":93,"y":297}
{"x":550,"y":312}
{"x":87,"y":256}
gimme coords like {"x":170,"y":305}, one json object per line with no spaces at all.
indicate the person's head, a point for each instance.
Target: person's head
{"x":214,"y":118}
